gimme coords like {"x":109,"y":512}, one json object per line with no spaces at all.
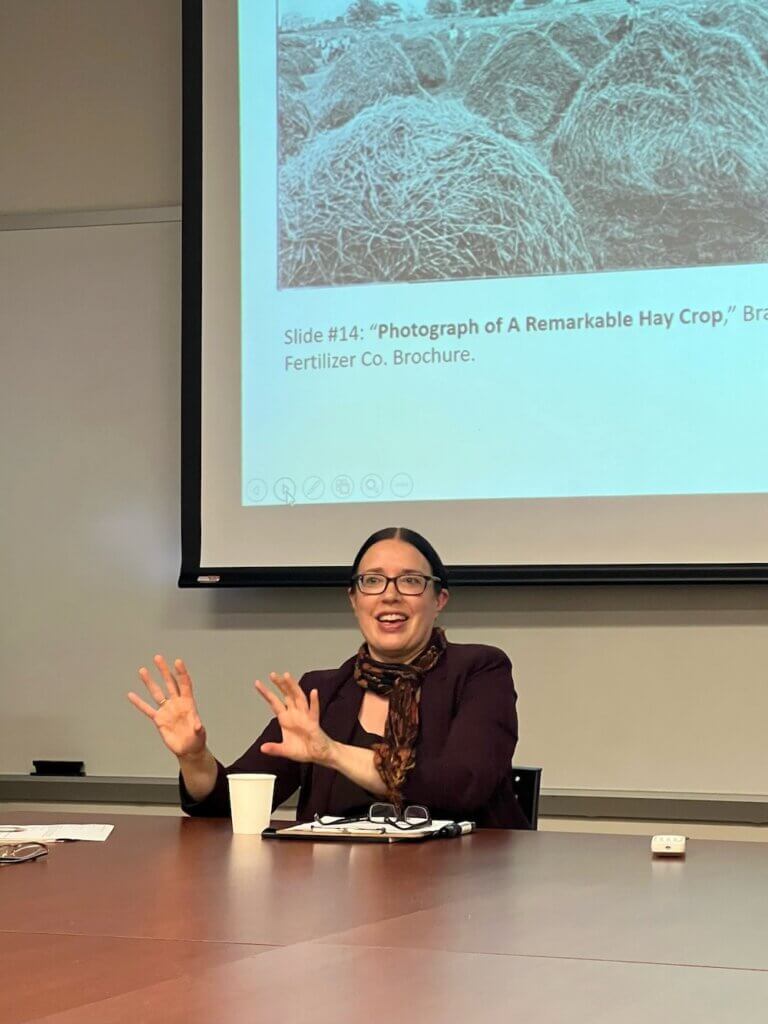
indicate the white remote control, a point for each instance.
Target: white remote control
{"x":668,"y":846}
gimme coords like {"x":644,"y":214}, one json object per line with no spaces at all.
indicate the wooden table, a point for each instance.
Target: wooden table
{"x":177,"y":920}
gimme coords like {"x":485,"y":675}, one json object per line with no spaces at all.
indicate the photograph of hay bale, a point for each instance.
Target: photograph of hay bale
{"x":415,"y":190}
{"x":433,"y":140}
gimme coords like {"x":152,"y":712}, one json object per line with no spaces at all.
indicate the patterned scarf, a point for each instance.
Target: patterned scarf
{"x":394,"y":756}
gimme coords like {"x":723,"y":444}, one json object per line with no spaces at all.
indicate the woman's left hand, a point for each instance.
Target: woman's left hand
{"x":299,"y":720}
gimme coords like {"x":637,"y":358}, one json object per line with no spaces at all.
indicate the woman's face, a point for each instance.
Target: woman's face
{"x":395,"y":626}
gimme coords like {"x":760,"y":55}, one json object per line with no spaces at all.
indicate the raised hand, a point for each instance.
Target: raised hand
{"x":176,"y":717}
{"x":299,"y":720}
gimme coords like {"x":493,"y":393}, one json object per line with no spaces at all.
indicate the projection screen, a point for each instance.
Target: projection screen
{"x":492,"y":271}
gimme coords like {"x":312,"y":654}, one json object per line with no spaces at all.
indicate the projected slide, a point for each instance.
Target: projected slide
{"x":496,"y":250}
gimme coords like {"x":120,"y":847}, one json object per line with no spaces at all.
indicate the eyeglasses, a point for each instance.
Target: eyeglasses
{"x":409,"y":584}
{"x":15,"y":853}
{"x":414,"y":816}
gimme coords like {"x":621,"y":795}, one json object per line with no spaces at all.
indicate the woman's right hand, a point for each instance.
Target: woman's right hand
{"x":176,"y":717}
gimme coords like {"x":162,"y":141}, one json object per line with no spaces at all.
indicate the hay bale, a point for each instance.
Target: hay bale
{"x":296,"y":60}
{"x":453,"y":39}
{"x":429,"y":60}
{"x":449,"y":42}
{"x":416,"y":190}
{"x":294,"y":122}
{"x":610,"y":19}
{"x":288,"y":71}
{"x":664,"y":149}
{"x":293,"y":82}
{"x":309,"y":44}
{"x":524,"y":85}
{"x":581,"y":37}
{"x":289,"y":42}
{"x":470,"y":57}
{"x":746,"y":18}
{"x":373,"y":69}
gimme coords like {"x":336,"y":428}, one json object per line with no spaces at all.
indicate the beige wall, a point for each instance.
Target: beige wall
{"x":641,"y":688}
{"x":90,"y":116}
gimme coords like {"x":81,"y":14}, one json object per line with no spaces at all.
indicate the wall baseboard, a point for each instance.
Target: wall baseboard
{"x":708,"y":808}
{"x":93,"y":789}
{"x":88,"y":218}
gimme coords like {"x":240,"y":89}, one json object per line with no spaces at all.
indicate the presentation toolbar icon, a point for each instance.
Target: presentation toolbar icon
{"x":313,"y":488}
{"x":285,"y":490}
{"x":256,"y":490}
{"x":343,"y":486}
{"x":372,"y":486}
{"x":401,"y":485}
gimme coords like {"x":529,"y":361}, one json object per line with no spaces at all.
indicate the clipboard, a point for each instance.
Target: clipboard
{"x":367,"y":832}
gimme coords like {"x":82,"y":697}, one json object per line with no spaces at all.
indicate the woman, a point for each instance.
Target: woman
{"x":410,"y":719}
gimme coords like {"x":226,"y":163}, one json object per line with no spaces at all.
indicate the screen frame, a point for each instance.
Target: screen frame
{"x":192,"y":572}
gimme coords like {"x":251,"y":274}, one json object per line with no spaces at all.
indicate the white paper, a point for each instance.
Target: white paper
{"x":53,"y":833}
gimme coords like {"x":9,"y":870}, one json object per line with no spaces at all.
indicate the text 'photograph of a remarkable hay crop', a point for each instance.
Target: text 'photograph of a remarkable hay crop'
{"x":430,"y":140}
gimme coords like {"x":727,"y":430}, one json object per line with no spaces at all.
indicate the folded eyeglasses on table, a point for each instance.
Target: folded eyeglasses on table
{"x":17,"y":853}
{"x":412,"y":817}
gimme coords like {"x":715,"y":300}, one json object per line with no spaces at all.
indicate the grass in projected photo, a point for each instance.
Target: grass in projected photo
{"x":449,"y":139}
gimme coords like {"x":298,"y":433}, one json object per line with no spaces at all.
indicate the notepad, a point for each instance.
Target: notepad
{"x":364,"y":831}
{"x":54,"y":833}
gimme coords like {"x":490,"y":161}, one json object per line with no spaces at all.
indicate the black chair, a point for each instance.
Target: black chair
{"x":527,"y":783}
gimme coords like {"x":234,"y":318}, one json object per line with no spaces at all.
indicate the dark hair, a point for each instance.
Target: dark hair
{"x":421,"y":544}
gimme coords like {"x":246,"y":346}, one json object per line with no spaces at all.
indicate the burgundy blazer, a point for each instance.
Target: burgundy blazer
{"x":467,"y":736}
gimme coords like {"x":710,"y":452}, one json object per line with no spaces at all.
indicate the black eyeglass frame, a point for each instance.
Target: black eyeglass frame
{"x":399,"y":822}
{"x":393,"y":579}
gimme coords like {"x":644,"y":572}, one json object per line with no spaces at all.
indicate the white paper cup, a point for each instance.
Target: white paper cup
{"x":250,"y":797}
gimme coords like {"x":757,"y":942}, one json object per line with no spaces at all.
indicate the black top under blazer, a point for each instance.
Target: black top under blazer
{"x":467,"y":736}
